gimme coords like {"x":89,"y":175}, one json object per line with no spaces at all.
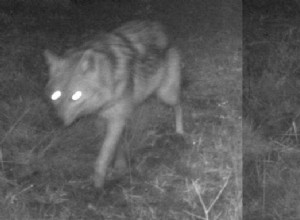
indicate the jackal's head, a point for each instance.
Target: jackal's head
{"x":79,"y":83}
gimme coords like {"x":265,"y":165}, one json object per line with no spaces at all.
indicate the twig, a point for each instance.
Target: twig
{"x":264,"y":190}
{"x":295,"y":131}
{"x":13,"y":126}
{"x":207,"y":210}
{"x":193,"y":215}
{"x":10,"y":130}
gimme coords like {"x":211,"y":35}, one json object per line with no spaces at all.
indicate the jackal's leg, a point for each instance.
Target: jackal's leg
{"x":178,"y":119}
{"x":114,"y":130}
{"x":169,"y":90}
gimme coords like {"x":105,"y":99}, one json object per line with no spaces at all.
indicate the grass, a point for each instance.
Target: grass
{"x":270,"y":131}
{"x":46,"y":169}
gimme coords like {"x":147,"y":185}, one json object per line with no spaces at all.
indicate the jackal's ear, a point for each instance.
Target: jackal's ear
{"x":87,"y":62}
{"x":51,"y":58}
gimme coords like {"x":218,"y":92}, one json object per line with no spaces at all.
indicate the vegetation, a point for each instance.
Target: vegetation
{"x":271,"y":108}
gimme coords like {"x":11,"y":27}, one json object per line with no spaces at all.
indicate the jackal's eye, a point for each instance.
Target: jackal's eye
{"x":56,"y":95}
{"x":76,"y":95}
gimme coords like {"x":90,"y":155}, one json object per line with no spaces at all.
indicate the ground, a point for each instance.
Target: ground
{"x":46,"y":168}
{"x":271,"y":52}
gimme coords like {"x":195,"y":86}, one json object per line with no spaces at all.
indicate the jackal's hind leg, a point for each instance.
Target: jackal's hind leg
{"x":178,"y":119}
{"x":169,"y":90}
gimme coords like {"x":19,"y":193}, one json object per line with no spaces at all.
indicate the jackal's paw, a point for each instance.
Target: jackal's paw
{"x":99,"y":180}
{"x":114,"y":174}
{"x":120,"y":165}
{"x":180,"y":131}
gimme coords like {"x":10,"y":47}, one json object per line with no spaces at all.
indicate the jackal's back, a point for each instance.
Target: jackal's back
{"x":109,"y":69}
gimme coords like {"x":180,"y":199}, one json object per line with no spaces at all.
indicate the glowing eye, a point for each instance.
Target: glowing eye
{"x":56,"y":95}
{"x":76,"y":95}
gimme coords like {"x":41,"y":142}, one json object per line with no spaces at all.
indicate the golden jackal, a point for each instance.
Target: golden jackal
{"x":110,"y":76}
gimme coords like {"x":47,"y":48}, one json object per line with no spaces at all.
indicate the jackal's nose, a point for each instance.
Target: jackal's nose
{"x":65,"y":117}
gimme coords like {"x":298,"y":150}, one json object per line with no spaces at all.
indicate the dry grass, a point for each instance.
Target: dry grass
{"x":46,"y":169}
{"x":271,"y":106}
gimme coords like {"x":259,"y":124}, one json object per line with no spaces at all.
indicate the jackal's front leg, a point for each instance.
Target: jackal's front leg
{"x":107,"y":152}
